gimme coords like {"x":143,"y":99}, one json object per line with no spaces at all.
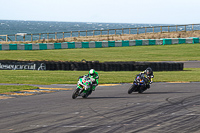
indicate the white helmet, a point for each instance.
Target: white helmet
{"x":91,"y":72}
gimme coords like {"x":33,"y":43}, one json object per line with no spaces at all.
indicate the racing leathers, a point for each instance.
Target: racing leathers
{"x":148,"y":74}
{"x":94,"y":78}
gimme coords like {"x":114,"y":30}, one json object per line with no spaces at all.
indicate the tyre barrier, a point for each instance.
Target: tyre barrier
{"x":87,"y":65}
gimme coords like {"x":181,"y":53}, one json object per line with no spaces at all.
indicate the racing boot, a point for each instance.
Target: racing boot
{"x":93,"y":87}
{"x":148,"y":86}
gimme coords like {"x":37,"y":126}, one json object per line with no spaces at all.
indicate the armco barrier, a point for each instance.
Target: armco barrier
{"x":87,"y":65}
{"x":102,"y":44}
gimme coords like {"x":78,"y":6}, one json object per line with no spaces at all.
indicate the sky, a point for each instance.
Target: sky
{"x":107,"y":11}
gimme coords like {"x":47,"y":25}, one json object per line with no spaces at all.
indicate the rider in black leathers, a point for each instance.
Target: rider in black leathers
{"x":148,"y":73}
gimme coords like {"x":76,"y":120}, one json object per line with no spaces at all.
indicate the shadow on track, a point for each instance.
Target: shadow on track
{"x":159,"y":93}
{"x":104,"y":97}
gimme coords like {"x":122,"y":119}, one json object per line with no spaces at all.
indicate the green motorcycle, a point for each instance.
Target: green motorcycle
{"x":84,"y":87}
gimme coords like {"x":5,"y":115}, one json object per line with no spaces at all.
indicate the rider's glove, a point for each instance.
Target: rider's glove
{"x":80,"y":77}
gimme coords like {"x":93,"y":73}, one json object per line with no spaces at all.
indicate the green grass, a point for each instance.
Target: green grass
{"x":70,"y":77}
{"x":13,"y":88}
{"x":182,"y":52}
{"x":178,"y":52}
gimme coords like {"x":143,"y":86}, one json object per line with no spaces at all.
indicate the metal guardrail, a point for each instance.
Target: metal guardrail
{"x":62,"y":35}
{"x":1,"y":37}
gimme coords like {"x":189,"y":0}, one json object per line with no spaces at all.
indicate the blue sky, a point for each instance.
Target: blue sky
{"x":112,"y":11}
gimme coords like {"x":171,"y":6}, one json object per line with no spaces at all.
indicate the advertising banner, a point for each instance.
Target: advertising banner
{"x":22,"y":65}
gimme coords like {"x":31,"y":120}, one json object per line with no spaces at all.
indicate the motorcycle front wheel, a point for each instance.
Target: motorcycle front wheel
{"x":75,"y":93}
{"x":131,"y":89}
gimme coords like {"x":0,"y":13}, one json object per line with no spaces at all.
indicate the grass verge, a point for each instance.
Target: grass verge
{"x":13,"y":88}
{"x":178,"y":52}
{"x":181,"y":52}
{"x":70,"y":77}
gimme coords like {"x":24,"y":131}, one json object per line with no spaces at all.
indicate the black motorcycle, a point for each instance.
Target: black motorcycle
{"x":140,"y":84}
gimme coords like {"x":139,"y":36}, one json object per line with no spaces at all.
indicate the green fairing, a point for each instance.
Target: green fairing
{"x":81,"y":82}
{"x":86,"y":83}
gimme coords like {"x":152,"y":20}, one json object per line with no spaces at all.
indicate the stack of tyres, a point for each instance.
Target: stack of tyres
{"x":59,"y":65}
{"x":175,"y":67}
{"x":180,"y":66}
{"x":84,"y":66}
{"x":104,"y":66}
{"x":171,"y":66}
{"x":47,"y":65}
{"x":157,"y":67}
{"x":66,"y":65}
{"x":139,"y":67}
{"x":107,"y":67}
{"x":96,"y":65}
{"x":72,"y":66}
{"x":90,"y":65}
{"x":118,"y":67}
{"x":52,"y":65}
{"x":78,"y":66}
{"x":162,"y":66}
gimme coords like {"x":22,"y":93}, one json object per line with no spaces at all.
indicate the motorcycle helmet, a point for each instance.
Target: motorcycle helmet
{"x":91,"y":72}
{"x":149,"y":71}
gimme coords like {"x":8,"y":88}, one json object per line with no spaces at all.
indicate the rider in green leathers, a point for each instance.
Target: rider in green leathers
{"x":94,"y":77}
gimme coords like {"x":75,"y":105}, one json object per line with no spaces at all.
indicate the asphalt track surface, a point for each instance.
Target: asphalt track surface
{"x":191,"y":64}
{"x":164,"y":108}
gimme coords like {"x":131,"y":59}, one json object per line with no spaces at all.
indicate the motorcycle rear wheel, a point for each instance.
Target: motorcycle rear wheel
{"x":75,"y":93}
{"x":87,"y":94}
{"x":141,"y":89}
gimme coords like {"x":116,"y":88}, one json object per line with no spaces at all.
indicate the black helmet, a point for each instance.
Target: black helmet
{"x":149,"y":71}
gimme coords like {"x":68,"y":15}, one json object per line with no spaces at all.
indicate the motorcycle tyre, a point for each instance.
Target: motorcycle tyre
{"x":132,"y":88}
{"x":141,"y":90}
{"x":87,"y":94}
{"x":75,"y":93}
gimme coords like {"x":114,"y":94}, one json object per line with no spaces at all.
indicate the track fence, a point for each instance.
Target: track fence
{"x":61,"y":35}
